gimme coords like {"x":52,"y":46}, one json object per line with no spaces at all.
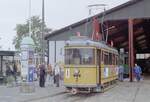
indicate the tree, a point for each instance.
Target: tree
{"x":22,"y":30}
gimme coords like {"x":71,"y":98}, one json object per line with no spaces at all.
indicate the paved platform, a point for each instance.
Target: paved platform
{"x":13,"y":94}
{"x":122,"y":92}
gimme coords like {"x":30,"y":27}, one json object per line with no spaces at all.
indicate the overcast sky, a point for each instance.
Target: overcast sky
{"x":58,"y":13}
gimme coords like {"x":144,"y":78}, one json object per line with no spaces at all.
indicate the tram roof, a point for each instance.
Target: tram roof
{"x":83,"y":41}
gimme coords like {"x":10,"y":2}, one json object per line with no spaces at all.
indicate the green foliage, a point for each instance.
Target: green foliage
{"x":22,"y":30}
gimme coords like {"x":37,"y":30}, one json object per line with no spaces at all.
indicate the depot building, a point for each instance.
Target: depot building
{"x":126,"y":26}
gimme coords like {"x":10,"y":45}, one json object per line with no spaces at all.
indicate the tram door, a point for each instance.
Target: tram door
{"x":98,"y":66}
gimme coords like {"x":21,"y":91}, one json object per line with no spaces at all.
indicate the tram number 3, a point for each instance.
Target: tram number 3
{"x":67,"y":73}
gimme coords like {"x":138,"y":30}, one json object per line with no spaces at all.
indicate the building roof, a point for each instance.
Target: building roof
{"x":7,"y":53}
{"x":84,"y":41}
{"x":131,"y":2}
{"x":138,"y":10}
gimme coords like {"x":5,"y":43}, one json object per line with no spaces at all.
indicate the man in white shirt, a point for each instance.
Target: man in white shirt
{"x":121,"y":72}
{"x":57,"y":74}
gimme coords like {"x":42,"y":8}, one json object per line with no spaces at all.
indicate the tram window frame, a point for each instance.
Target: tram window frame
{"x":106,"y":58}
{"x":113,"y":59}
{"x":69,"y":59}
{"x":98,"y":56}
{"x":110,"y":58}
{"x":102,"y":56}
{"x":117,"y":59}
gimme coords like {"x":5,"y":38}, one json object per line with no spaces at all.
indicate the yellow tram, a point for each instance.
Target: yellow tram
{"x":89,"y":66}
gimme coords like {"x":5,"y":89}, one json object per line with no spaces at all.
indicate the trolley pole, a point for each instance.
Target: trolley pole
{"x":96,"y":6}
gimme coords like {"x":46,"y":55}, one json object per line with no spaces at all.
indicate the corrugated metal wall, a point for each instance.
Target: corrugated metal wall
{"x":56,"y":52}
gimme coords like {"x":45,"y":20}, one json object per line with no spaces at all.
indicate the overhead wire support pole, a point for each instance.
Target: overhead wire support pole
{"x":103,"y":37}
{"x":42,"y":35}
{"x":30,"y":18}
{"x":131,"y":48}
{"x":87,"y":21}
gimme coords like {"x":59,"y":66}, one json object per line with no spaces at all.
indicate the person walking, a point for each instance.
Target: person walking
{"x":42,"y":75}
{"x":137,"y":72}
{"x":57,"y":74}
{"x":121,"y":72}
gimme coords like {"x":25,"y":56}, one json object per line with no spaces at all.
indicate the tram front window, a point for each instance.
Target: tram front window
{"x":82,"y":56}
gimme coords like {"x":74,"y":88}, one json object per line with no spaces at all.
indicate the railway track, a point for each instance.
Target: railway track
{"x":63,"y":96}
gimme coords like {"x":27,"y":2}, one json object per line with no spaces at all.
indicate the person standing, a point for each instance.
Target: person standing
{"x":42,"y":75}
{"x":15,"y":71}
{"x":49,"y":74}
{"x":137,"y":72}
{"x":121,"y":72}
{"x":9,"y":74}
{"x":57,"y":74}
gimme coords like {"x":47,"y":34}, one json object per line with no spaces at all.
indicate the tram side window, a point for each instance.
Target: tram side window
{"x":68,"y":56}
{"x":106,"y":59}
{"x":102,"y":56}
{"x":88,"y":56}
{"x":76,"y":56}
{"x":82,"y":56}
{"x":113,"y":59}
{"x":98,"y":57}
{"x":110,"y":58}
{"x":117,"y":60}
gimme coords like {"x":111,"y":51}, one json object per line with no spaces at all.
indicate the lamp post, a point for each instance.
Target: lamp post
{"x":42,"y":33}
{"x":30,"y":18}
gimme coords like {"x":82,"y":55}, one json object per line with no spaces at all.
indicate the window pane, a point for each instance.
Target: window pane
{"x":110,"y":58}
{"x":80,"y":56}
{"x":106,"y":58}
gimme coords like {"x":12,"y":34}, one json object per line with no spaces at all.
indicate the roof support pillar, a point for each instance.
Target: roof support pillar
{"x":131,"y":48}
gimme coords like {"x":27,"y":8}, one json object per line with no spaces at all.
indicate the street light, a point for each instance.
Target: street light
{"x":42,"y":35}
{"x":30,"y":18}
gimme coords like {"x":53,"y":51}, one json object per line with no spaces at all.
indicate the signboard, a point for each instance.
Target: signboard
{"x":24,"y":55}
{"x":24,"y":69}
{"x":31,"y":74}
{"x":106,"y":72}
{"x":31,"y":54}
{"x":24,"y":47}
{"x":67,"y":73}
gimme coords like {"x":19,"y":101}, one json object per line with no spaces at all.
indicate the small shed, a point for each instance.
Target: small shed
{"x":5,"y":57}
